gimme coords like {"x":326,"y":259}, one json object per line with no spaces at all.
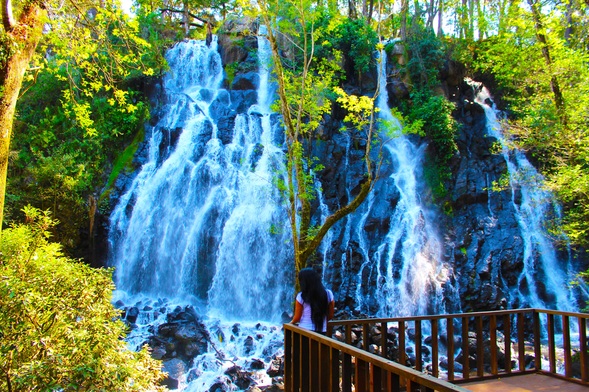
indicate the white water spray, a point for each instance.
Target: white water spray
{"x":544,"y":280}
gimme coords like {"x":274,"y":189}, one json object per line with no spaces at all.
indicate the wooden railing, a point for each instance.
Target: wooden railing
{"x":315,"y":363}
{"x":479,"y":334}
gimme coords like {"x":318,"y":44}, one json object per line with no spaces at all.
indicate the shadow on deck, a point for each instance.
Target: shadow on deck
{"x":545,"y":349}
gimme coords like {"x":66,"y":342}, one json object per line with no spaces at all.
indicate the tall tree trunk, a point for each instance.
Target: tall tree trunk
{"x":481,"y":22}
{"x":26,"y":34}
{"x":554,"y":85}
{"x":431,"y":12}
{"x":440,"y":18}
{"x":569,"y":21}
{"x":186,"y":18}
{"x":404,"y":7}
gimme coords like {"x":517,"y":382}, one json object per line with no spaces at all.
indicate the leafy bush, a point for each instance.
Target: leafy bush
{"x":440,"y":127}
{"x":354,"y":37}
{"x":426,"y":52}
{"x":58,"y":328}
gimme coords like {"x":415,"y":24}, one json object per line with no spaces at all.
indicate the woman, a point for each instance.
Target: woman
{"x":314,"y":305}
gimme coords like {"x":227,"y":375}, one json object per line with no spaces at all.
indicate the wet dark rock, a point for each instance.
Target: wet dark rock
{"x":257,"y":364}
{"x":239,"y":377}
{"x":132,"y":314}
{"x":225,"y":128}
{"x":246,"y":81}
{"x":236,"y":328}
{"x":249,"y":345}
{"x":176,"y":370}
{"x":241,"y":100}
{"x":276,"y":367}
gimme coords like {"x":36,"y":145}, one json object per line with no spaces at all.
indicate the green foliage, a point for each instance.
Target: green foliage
{"x":58,"y":328}
{"x":426,"y":52}
{"x":440,"y":127}
{"x":556,"y":138}
{"x":434,"y":113}
{"x":353,"y":37}
{"x":77,"y":111}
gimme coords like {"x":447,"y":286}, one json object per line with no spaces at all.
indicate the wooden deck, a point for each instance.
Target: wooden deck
{"x":525,"y":383}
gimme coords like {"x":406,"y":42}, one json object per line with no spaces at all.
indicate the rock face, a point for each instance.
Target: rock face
{"x":481,"y":241}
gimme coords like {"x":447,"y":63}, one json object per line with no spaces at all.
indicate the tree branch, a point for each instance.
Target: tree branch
{"x":7,"y":18}
{"x":189,"y":13}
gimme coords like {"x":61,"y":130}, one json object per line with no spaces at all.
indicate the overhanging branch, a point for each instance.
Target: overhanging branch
{"x":7,"y":17}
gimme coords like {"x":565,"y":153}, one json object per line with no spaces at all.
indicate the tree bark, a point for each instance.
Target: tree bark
{"x":554,"y":85}
{"x":440,"y":18}
{"x":569,"y":21}
{"x":25,"y":33}
{"x":404,"y":7}
{"x":186,"y":18}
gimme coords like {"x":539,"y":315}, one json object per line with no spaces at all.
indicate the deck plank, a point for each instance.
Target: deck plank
{"x":525,"y":383}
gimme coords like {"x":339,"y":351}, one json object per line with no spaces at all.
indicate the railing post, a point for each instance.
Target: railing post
{"x":326,"y":369}
{"x":383,"y":339}
{"x":305,"y":364}
{"x":450,"y":346}
{"x":493,"y":337}
{"x":402,"y":346}
{"x":361,"y":379}
{"x":435,"y":348}
{"x":480,"y":362}
{"x":583,"y":348}
{"x":521,"y":348}
{"x":366,"y":336}
{"x":347,"y":373}
{"x":376,"y":379}
{"x":418,"y":354}
{"x":465,"y":353}
{"x":566,"y":338}
{"x":335,"y":358}
{"x":551,"y":344}
{"x":288,"y":360}
{"x":507,"y":336}
{"x":394,"y":382}
{"x":296,"y":362}
{"x":537,"y":341}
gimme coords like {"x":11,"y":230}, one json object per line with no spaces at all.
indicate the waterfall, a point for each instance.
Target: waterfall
{"x":205,"y":222}
{"x":544,"y":280}
{"x":410,"y":269}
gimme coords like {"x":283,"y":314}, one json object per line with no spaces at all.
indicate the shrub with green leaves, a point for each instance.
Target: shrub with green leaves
{"x":354,"y":37}
{"x":435,"y":111}
{"x":58,"y":328}
{"x":426,"y":56}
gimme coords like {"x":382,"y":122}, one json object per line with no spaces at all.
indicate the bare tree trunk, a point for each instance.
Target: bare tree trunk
{"x":569,"y":21}
{"x":352,"y":9}
{"x":440,"y":18}
{"x":404,"y":7}
{"x":554,"y":85}
{"x":431,"y":12}
{"x":26,"y":34}
{"x":370,"y":11}
{"x":186,"y":18}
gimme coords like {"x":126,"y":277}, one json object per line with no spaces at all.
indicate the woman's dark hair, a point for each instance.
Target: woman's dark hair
{"x":314,"y":294}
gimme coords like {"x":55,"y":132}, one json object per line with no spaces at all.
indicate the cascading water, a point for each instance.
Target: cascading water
{"x":544,"y":280}
{"x":202,"y":223}
{"x":198,"y":224}
{"x":406,"y":265}
{"x":410,"y":269}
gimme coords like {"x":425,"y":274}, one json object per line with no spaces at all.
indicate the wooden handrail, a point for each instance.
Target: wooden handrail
{"x":293,"y":360}
{"x":515,"y":325}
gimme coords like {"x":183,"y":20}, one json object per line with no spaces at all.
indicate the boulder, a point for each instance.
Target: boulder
{"x":176,"y":369}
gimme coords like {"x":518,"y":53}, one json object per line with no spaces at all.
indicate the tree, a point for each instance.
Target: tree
{"x":58,"y":327}
{"x":551,"y":76}
{"x":17,"y":45}
{"x":302,"y":101}
{"x":90,"y":46}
